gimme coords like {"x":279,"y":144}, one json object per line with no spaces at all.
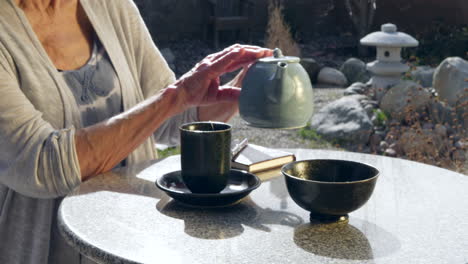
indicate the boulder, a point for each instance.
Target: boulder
{"x":440,"y":130}
{"x":404,"y":99}
{"x":423,"y":75}
{"x":312,"y":68}
{"x":461,"y":108}
{"x":355,"y":71}
{"x":450,"y":79}
{"x":332,"y":76}
{"x":390,"y":152}
{"x":440,"y":112}
{"x":356,"y":88}
{"x":369,"y":109}
{"x":411,"y":143}
{"x":344,"y":120}
{"x":375,"y":142}
{"x":459,"y":155}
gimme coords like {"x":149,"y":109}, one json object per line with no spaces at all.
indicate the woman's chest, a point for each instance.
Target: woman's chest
{"x":66,"y":38}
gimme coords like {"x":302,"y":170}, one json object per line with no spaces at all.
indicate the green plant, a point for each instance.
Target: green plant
{"x":308,"y":133}
{"x":381,"y":117}
{"x":314,"y":140}
{"x":168,"y":152}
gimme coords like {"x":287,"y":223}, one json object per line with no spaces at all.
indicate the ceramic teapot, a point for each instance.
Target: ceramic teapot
{"x":276,"y":93}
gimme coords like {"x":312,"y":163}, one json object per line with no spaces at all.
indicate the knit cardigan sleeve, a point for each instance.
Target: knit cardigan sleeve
{"x":36,"y":160}
{"x":154,"y":73}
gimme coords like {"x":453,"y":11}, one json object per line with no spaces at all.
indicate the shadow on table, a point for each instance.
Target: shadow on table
{"x":345,"y":241}
{"x":226,"y":222}
{"x":122,"y":180}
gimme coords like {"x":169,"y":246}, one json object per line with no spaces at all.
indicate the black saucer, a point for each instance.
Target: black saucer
{"x":239,"y":185}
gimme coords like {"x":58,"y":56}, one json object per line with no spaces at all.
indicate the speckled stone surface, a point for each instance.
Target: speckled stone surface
{"x":417,"y":214}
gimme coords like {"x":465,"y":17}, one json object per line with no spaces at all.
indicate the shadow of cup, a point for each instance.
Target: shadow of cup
{"x":209,"y":223}
{"x":226,"y":222}
{"x":341,"y":240}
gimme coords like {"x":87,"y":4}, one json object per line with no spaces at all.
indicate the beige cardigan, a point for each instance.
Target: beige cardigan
{"x":39,"y":116}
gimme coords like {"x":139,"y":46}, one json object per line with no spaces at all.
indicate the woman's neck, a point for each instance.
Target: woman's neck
{"x":43,"y":5}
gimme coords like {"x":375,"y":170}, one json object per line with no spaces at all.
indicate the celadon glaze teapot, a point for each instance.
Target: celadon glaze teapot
{"x":276,"y":93}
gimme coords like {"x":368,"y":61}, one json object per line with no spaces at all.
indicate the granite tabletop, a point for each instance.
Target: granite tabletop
{"x":417,"y":214}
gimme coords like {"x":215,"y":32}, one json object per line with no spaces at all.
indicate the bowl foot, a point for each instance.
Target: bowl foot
{"x":314,"y":217}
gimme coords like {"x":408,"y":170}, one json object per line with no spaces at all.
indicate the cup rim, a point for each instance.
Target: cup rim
{"x":182,"y":127}
{"x":377,"y":174}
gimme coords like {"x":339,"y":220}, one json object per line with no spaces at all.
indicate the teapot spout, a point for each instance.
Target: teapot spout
{"x":280,"y":70}
{"x":276,"y":91}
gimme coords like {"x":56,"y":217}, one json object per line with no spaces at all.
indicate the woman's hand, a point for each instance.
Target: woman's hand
{"x":224,"y":111}
{"x":201,"y":85}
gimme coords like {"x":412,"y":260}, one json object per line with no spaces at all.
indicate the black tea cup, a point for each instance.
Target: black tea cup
{"x":205,"y":156}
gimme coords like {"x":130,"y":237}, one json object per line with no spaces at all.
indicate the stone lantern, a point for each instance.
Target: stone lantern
{"x":388,"y":68}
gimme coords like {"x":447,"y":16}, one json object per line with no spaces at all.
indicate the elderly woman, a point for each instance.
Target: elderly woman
{"x":83,"y":90}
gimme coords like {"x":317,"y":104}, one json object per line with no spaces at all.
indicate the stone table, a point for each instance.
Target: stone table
{"x":417,"y":214}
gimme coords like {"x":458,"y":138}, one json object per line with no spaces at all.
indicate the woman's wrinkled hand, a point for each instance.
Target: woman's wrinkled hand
{"x":201,"y":85}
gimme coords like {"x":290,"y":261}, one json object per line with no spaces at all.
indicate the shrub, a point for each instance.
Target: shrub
{"x":438,"y":42}
{"x":278,"y":32}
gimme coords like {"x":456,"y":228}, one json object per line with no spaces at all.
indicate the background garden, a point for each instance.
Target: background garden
{"x":423,"y":118}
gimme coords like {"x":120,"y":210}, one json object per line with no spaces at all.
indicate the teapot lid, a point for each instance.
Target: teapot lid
{"x":278,"y":57}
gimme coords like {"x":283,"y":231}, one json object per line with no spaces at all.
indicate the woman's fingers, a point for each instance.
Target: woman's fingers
{"x":238,"y":65}
{"x":217,"y":55}
{"x":228,"y":94}
{"x":212,"y":90}
{"x":240,"y":77}
{"x":219,"y":66}
{"x":236,"y":58}
{"x":202,"y":82}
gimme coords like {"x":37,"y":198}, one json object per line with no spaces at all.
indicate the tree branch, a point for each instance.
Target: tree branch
{"x":352,"y":15}
{"x":373,"y":8}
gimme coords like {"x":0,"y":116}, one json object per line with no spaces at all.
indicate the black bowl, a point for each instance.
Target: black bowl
{"x":329,"y":189}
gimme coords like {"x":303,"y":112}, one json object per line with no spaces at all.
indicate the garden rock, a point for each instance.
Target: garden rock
{"x":369,"y":109}
{"x":355,"y":70}
{"x":332,"y":76}
{"x":461,"y":108}
{"x":403,"y":98}
{"x":383,"y":145}
{"x":458,"y":145}
{"x":440,"y":130}
{"x":459,"y":155}
{"x":397,"y":149}
{"x":411,"y":142}
{"x":440,"y":112}
{"x":423,"y":75}
{"x":312,"y":67}
{"x":450,"y":79}
{"x":390,"y":152}
{"x":370,"y":102}
{"x":344,"y":120}
{"x":375,"y":142}
{"x":356,"y":88}
{"x":428,"y":126}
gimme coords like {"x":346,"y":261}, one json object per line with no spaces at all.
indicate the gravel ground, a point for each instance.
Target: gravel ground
{"x":282,"y":138}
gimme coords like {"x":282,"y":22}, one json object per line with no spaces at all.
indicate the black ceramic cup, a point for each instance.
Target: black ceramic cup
{"x":205,"y":156}
{"x":330,"y":189}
